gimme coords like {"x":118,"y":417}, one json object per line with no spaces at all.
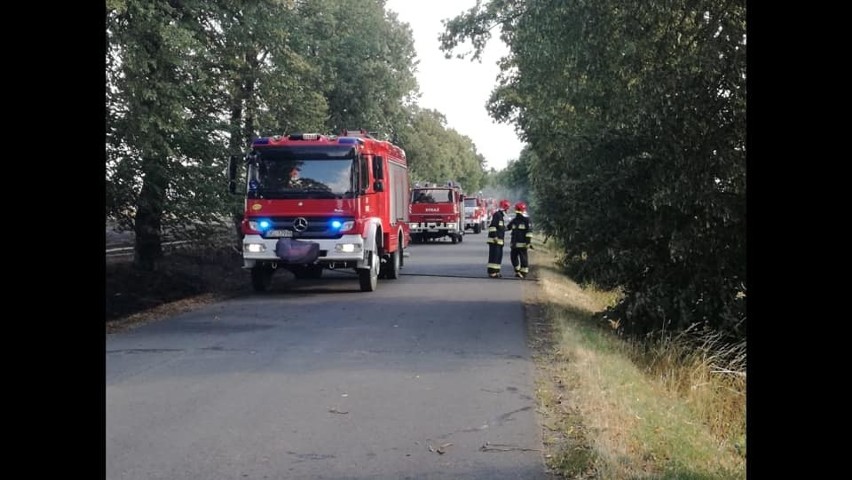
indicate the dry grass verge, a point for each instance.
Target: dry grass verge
{"x":612,"y":409}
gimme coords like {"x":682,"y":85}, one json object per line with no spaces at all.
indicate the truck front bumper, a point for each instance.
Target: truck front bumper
{"x":432,"y":227}
{"x":343,"y":250}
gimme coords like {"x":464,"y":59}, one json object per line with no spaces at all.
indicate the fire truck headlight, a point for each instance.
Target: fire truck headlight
{"x":347,"y":247}
{"x":255,"y":247}
{"x":259,"y":225}
{"x":340,"y":225}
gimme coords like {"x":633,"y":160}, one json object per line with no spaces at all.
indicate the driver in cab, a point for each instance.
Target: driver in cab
{"x":295,"y":180}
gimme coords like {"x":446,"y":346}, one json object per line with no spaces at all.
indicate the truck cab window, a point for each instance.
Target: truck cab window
{"x":365,"y":172}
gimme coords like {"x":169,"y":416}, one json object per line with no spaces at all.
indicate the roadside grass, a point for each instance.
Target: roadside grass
{"x":666,"y":408}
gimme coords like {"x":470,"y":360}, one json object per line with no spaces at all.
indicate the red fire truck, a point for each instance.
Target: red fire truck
{"x":316,"y":202}
{"x":475,"y":216}
{"x":490,"y":208}
{"x":436,"y":211}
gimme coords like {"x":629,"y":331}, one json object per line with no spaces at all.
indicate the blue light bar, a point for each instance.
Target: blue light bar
{"x":347,"y":141}
{"x":260,"y":141}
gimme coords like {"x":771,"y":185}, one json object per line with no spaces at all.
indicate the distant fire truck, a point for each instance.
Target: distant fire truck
{"x":490,"y":208}
{"x":317,"y":202}
{"x":475,"y":216}
{"x":436,"y":211}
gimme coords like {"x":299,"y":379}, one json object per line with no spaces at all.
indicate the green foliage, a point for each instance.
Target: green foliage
{"x":366,"y":59}
{"x":438,"y":154}
{"x":191,"y":82}
{"x":515,"y":182}
{"x":635,"y":113}
{"x":155,"y":70}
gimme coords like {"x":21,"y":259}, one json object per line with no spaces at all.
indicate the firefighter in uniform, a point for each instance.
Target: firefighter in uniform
{"x":496,"y":232}
{"x":520,"y":240}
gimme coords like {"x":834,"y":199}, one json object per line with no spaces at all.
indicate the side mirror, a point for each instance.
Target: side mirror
{"x":232,"y":173}
{"x":378,"y":171}
{"x":378,"y":186}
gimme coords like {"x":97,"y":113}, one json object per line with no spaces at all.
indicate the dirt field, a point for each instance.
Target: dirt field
{"x":181,"y":276}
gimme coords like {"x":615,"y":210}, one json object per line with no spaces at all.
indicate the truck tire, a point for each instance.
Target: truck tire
{"x":476,"y":228}
{"x":394,"y":263}
{"x":261,"y":278}
{"x":368,"y":278}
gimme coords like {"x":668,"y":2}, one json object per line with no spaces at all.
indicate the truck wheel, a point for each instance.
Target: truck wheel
{"x":395,"y":262}
{"x":455,"y":238}
{"x":476,"y":228}
{"x":369,"y":277}
{"x":261,"y":278}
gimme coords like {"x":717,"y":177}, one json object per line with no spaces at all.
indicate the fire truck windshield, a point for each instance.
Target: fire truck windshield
{"x":277,"y":174}
{"x":432,"y":195}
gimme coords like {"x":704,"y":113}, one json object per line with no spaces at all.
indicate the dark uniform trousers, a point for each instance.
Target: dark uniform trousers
{"x":521,"y":239}
{"x":496,"y":232}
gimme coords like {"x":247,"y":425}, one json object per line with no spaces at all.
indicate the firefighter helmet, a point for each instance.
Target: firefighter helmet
{"x":504,"y":204}
{"x":520,"y":207}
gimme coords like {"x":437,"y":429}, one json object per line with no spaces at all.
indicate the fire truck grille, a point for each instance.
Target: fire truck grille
{"x":304,"y":227}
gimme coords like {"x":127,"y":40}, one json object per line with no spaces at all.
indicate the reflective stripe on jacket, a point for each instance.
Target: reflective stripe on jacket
{"x":521,"y":231}
{"x":496,"y":229}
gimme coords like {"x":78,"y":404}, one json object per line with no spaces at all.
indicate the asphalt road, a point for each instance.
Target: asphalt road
{"x":428,"y":377}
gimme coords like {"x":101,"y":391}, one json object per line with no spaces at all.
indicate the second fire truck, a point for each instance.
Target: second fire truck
{"x":437,"y":211}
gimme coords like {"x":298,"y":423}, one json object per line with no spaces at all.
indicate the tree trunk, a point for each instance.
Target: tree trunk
{"x":248,"y":95}
{"x":149,"y":211}
{"x":240,"y":138}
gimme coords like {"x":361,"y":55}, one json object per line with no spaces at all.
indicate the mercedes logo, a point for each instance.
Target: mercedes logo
{"x":300,"y":224}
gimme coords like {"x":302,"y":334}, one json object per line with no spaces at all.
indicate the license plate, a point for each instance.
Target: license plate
{"x":279,"y":234}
